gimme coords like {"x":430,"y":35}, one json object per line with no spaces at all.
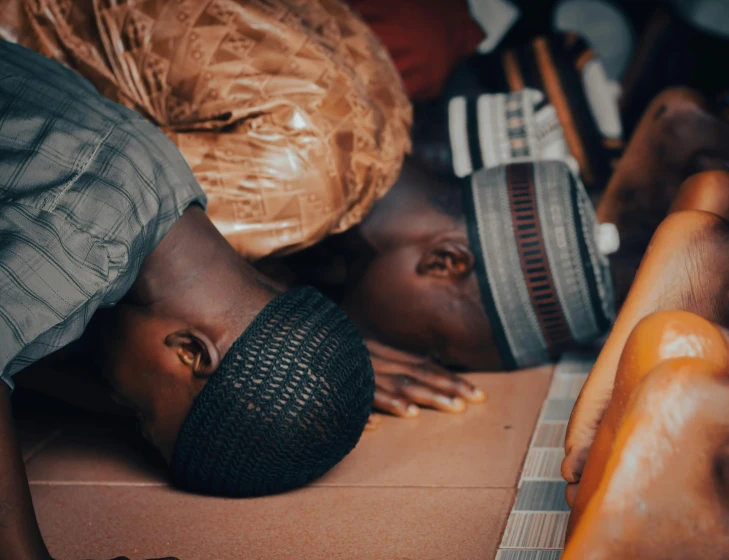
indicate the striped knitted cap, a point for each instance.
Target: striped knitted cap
{"x":540,"y":260}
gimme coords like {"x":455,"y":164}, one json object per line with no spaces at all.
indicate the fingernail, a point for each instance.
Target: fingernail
{"x":478,"y":393}
{"x":412,"y":411}
{"x":454,"y":403}
{"x":458,"y":404}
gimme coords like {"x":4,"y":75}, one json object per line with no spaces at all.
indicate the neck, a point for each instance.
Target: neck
{"x":195,"y":275}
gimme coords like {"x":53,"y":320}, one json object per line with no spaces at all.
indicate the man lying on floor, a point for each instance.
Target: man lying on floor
{"x":295,"y":139}
{"x":98,"y":209}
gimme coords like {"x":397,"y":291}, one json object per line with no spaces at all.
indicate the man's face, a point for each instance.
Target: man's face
{"x":665,"y":491}
{"x":437,"y":317}
{"x":145,"y":374}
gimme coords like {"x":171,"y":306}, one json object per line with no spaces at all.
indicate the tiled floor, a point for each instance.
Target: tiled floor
{"x":538,"y":521}
{"x":437,"y":487}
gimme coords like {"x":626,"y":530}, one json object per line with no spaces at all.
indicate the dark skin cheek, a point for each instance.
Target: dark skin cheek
{"x":469,"y":347}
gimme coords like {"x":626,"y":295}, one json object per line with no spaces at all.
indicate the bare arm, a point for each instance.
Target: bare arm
{"x":20,"y":536}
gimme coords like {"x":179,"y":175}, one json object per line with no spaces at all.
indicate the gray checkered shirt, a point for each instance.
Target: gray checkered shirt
{"x":88,"y":189}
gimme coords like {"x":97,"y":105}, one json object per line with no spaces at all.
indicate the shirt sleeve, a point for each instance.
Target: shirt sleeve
{"x":52,"y":279}
{"x":88,"y":189}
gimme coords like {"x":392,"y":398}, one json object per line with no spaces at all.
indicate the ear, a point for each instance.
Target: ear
{"x":195,"y":350}
{"x":448,"y":258}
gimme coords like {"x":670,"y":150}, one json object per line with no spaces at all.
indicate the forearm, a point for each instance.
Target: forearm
{"x":20,"y":537}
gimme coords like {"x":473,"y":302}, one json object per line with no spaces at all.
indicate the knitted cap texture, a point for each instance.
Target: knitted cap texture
{"x":290,"y":399}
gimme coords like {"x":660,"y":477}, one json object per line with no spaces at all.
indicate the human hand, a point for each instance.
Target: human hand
{"x":405,"y":382}
{"x":684,"y":269}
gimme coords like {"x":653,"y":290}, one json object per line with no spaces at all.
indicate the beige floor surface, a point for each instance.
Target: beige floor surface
{"x":440,"y":487}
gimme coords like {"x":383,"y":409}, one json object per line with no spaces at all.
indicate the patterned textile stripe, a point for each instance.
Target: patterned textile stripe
{"x":473,"y":136}
{"x":557,"y":65}
{"x":533,"y":257}
{"x":535,"y":529}
{"x":558,"y":98}
{"x":513,"y":74}
{"x":505,"y":296}
{"x":572,"y":65}
{"x":492,"y":129}
{"x":458,"y":135}
{"x":516,"y":129}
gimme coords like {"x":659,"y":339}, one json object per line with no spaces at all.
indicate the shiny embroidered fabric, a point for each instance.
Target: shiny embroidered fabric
{"x":289,"y":112}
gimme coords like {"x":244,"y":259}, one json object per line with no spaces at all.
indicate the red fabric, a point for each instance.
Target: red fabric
{"x":426,"y":38}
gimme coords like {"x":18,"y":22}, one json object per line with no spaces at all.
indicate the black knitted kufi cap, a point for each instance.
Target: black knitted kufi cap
{"x":290,"y":399}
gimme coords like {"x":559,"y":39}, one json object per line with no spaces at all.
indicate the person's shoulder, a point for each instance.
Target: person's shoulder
{"x":18,"y":62}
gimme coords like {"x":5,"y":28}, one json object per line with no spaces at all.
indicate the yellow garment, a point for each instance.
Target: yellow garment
{"x":289,"y":112}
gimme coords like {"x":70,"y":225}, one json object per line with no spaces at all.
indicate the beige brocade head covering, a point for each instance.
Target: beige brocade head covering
{"x":289,"y":112}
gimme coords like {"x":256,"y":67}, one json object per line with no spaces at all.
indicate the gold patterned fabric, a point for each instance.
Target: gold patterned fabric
{"x":289,"y":112}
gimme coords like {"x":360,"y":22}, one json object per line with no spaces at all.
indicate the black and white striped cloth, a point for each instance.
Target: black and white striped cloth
{"x":547,"y":100}
{"x":495,"y":129}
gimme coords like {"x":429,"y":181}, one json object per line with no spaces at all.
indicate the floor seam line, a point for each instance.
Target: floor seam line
{"x":40,"y":446}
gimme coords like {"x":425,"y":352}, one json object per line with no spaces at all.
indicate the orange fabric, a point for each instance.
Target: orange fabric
{"x":426,"y":38}
{"x":289,"y":112}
